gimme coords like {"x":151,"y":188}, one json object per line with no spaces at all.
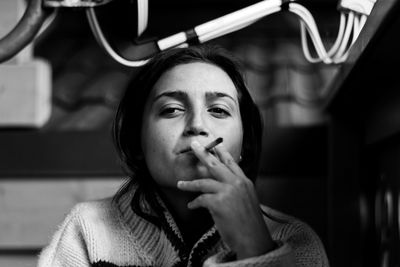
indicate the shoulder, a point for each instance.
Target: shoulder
{"x":301,"y":238}
{"x":93,"y":209}
{"x":87,"y":220}
{"x":277,"y":221}
{"x":95,"y":214}
{"x":73,"y":239}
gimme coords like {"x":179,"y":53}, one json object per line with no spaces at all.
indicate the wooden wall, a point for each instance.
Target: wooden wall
{"x":31,"y":210}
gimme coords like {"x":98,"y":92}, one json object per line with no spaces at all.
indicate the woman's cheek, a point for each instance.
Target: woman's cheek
{"x":233,"y":139}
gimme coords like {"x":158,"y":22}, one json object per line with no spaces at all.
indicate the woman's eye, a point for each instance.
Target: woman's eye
{"x":171,"y":111}
{"x":219,"y":112}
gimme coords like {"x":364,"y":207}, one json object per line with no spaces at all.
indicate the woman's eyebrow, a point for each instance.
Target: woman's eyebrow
{"x":180,"y":95}
{"x":214,"y":95}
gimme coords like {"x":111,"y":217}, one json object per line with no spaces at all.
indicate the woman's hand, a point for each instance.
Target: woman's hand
{"x":231,"y":199}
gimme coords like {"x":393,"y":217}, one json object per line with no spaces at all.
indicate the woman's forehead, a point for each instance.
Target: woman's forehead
{"x":195,"y":78}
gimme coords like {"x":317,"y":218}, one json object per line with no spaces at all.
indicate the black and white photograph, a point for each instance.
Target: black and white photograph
{"x":203,"y":133}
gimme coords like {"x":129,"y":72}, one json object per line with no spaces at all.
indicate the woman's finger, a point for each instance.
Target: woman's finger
{"x":201,"y":185}
{"x":218,"y":170}
{"x":227,"y":159}
{"x":202,"y":201}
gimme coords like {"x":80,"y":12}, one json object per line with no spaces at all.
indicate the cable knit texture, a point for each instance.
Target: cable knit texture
{"x":108,"y":233}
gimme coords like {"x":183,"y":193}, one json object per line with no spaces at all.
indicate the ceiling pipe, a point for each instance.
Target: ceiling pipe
{"x":25,"y":30}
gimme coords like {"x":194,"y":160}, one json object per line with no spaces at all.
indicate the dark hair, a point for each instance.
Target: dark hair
{"x":128,"y":120}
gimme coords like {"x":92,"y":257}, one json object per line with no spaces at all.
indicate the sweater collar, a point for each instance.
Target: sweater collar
{"x":209,"y":243}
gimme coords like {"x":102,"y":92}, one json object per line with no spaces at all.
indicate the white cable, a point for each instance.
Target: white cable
{"x":342,"y":45}
{"x":339,"y":37}
{"x":356,"y":28}
{"x":363,"y":20}
{"x":96,"y":29}
{"x":304,"y":45}
{"x":223,"y":25}
{"x":143,"y":10}
{"x":341,"y":55}
{"x":223,"y":31}
{"x":359,"y":21}
{"x":312,"y":29}
{"x":243,"y":18}
{"x":220,"y":32}
{"x":334,"y":46}
{"x":236,"y":20}
{"x":46,"y":24}
{"x":236,"y":27}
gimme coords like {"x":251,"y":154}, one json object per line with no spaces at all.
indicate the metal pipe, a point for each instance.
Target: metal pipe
{"x":25,"y":30}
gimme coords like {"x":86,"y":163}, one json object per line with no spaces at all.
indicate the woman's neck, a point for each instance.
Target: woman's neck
{"x":192,"y":223}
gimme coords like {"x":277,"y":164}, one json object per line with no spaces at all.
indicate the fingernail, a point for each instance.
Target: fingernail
{"x":180,"y":183}
{"x":190,"y":205}
{"x":195,"y":144}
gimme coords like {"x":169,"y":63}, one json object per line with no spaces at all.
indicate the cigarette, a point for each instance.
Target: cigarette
{"x":209,"y":146}
{"x":214,"y":143}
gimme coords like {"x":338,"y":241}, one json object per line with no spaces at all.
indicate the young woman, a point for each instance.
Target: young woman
{"x":185,"y":204}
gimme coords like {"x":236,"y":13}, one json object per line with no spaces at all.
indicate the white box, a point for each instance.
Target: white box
{"x":25,"y":94}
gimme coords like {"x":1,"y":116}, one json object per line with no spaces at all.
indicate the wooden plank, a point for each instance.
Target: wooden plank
{"x":18,"y":260}
{"x":57,"y":153}
{"x":31,"y":209}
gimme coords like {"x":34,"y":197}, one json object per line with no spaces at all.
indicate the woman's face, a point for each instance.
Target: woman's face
{"x":193,"y":101}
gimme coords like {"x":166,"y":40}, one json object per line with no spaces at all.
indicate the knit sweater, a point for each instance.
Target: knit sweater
{"x":108,"y":233}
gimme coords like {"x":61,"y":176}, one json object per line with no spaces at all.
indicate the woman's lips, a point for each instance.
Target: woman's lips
{"x":190,"y":151}
{"x":185,"y":150}
{"x":209,"y":147}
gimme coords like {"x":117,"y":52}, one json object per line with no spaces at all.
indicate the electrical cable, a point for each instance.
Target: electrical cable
{"x":363,"y":20}
{"x":223,"y":25}
{"x":204,"y":32}
{"x":46,"y":24}
{"x":356,"y":28}
{"x":310,"y":25}
{"x":25,"y":31}
{"x":74,"y":3}
{"x":341,"y":55}
{"x":236,"y":20}
{"x":143,"y":10}
{"x":339,"y":37}
{"x":349,"y":26}
{"x":235,"y":26}
{"x":304,"y":44}
{"x":221,"y":32}
{"x":96,"y":29}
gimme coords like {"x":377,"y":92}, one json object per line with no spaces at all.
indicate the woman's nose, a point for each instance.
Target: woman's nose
{"x":196,"y":125}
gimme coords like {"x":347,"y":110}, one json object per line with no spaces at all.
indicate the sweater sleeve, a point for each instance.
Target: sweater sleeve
{"x":282,"y":256}
{"x":67,"y":247}
{"x":298,"y":245}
